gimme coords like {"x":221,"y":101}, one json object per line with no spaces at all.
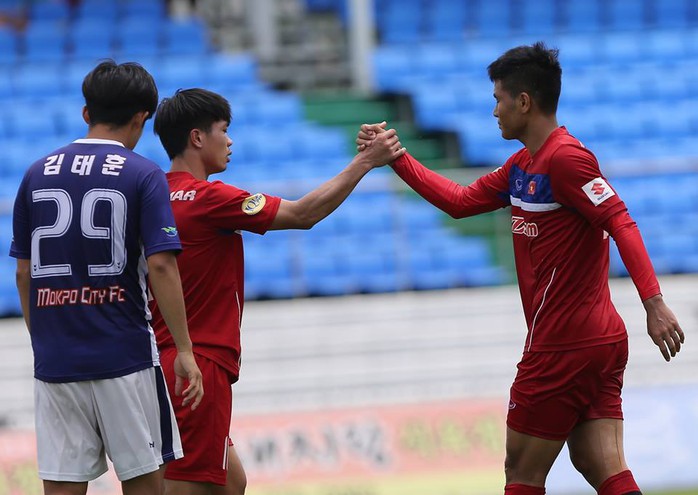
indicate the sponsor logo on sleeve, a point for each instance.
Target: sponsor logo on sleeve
{"x":170,"y":231}
{"x":598,"y":191}
{"x":254,"y":204}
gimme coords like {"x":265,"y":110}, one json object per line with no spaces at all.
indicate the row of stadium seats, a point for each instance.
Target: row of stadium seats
{"x":40,"y":10}
{"x":51,"y":40}
{"x":614,"y":100}
{"x":46,"y":81}
{"x":410,"y":21}
{"x":640,"y":52}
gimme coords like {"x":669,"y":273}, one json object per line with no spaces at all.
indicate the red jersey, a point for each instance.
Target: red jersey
{"x":209,"y":218}
{"x":560,"y":203}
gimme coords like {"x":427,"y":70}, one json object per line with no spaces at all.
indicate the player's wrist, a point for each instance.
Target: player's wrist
{"x":362,"y":163}
{"x":653,"y":302}
{"x":185,"y":347}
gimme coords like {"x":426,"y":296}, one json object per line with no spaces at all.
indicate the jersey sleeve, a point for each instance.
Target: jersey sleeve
{"x":577,"y":183}
{"x":236,"y":209}
{"x":488,"y":193}
{"x":633,"y":253}
{"x":21,"y":225}
{"x":158,"y":230}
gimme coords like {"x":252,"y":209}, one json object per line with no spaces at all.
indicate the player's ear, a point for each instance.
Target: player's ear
{"x":524,"y":102}
{"x":140,"y":118}
{"x":196,"y":138}
{"x":85,"y":115}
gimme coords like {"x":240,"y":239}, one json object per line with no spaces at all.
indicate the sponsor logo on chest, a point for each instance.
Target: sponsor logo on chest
{"x":520,"y":226}
{"x":182,"y":195}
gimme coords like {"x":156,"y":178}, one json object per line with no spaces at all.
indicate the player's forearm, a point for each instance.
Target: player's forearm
{"x":447,"y":195}
{"x":320,"y":202}
{"x":633,"y":253}
{"x":167,"y":289}
{"x":22,"y":279}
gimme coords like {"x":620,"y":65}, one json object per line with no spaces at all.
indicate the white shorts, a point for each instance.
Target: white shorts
{"x":129,"y":417}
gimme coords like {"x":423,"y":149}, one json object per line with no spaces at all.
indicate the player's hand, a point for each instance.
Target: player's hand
{"x":186,"y":370}
{"x":385,"y":148}
{"x":663,"y":327}
{"x":367,"y":133}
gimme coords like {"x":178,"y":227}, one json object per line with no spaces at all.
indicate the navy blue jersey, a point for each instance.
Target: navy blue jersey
{"x":87,"y":216}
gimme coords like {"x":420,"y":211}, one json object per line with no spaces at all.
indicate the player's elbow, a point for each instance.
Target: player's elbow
{"x":161,"y":263}
{"x":22,"y":274}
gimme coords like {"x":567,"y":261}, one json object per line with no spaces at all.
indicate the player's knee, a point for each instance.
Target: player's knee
{"x":516,"y":472}
{"x":583,"y":465}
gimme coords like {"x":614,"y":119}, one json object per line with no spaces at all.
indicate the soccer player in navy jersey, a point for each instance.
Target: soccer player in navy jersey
{"x":91,"y":221}
{"x":569,"y":380}
{"x":193,"y":128}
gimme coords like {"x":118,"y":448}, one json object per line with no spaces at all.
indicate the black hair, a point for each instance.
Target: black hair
{"x":114,"y":93}
{"x":188,"y":109}
{"x":532,"y":69}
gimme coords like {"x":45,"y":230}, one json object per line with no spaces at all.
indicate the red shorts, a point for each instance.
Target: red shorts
{"x":555,"y":391}
{"x":205,"y":432}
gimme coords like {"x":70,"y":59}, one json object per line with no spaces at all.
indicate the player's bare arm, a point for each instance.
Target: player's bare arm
{"x":167,"y":288}
{"x":663,"y":327}
{"x":319,"y":203}
{"x":22,"y":279}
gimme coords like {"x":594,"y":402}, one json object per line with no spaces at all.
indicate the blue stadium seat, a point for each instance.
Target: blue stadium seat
{"x":437,"y":59}
{"x":626,"y":15}
{"x":390,"y":65}
{"x":51,"y":11}
{"x":319,"y":143}
{"x":278,"y":109}
{"x":151,"y":10}
{"x":446,"y":21}
{"x":665,"y":45}
{"x":98,"y":11}
{"x":578,"y":50}
{"x":185,"y":37}
{"x":38,"y":81}
{"x":584,"y":16}
{"x":175,"y":72}
{"x":8,"y":46}
{"x":91,"y":40}
{"x":539,"y":17}
{"x":137,"y":38}
{"x":6,"y":86}
{"x":233,"y":72}
{"x":493,"y":18}
{"x":45,"y":41}
{"x":622,"y":47}
{"x":670,"y":13}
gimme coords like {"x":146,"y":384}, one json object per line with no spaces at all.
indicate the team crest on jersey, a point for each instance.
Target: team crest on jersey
{"x":532,"y":188}
{"x":254,"y":204}
{"x":598,"y":191}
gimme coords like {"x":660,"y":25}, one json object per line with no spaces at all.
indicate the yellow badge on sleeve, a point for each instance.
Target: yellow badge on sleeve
{"x":254,"y":204}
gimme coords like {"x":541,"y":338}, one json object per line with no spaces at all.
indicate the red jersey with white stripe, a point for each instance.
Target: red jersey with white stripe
{"x":559,"y":201}
{"x":209,"y":218}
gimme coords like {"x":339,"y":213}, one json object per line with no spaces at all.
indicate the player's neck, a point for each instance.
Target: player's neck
{"x":537,"y":132}
{"x":191,"y":164}
{"x":120,"y":134}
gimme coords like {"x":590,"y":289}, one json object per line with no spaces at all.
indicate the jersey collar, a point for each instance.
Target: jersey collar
{"x":98,"y":141}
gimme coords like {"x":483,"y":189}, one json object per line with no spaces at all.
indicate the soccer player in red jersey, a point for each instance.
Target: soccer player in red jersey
{"x":569,"y":380}
{"x":192,"y":126}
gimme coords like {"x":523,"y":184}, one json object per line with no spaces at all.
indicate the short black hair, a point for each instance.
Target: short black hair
{"x":532,"y":69}
{"x":114,"y":93}
{"x":188,"y":109}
